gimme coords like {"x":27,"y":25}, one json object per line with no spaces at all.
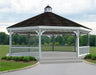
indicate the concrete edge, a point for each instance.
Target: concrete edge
{"x":28,"y":67}
{"x":89,"y":62}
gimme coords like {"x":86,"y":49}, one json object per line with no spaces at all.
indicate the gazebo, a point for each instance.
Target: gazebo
{"x":44,"y":24}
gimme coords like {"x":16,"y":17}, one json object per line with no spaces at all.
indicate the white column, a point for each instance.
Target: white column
{"x":10,"y":42}
{"x":39,"y":43}
{"x":77,"y":43}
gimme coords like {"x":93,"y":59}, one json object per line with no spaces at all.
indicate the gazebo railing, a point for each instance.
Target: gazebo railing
{"x":83,"y":50}
{"x":25,"y":51}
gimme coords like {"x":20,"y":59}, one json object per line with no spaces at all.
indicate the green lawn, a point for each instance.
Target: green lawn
{"x":6,"y":65}
{"x":93,"y":50}
{"x":59,"y":48}
{"x":4,"y":49}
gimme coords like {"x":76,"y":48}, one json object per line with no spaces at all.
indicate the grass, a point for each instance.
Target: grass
{"x":10,"y":65}
{"x":4,"y":49}
{"x":93,"y":50}
{"x":59,"y":48}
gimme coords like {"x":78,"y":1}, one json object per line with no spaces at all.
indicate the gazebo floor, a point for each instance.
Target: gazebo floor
{"x":59,"y":57}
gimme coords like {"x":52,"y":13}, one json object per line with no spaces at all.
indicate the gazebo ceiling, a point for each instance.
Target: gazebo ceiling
{"x":47,"y":19}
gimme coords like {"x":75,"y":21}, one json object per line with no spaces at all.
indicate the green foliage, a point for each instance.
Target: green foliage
{"x":16,"y":58}
{"x":50,"y":43}
{"x":26,"y":59}
{"x":56,"y":43}
{"x":93,"y":57}
{"x":45,"y":43}
{"x":84,"y":40}
{"x":62,"y":40}
{"x":3,"y":38}
{"x":4,"y":57}
{"x":92,"y":40}
{"x":71,"y":40}
{"x":90,"y":56}
{"x":22,"y":58}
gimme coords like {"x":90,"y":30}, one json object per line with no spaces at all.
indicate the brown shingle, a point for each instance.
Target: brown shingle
{"x":47,"y":19}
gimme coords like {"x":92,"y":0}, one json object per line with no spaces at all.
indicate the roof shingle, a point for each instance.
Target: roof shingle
{"x":47,"y":19}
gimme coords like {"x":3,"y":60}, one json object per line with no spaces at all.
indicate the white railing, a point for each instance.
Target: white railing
{"x":25,"y":51}
{"x":83,"y":50}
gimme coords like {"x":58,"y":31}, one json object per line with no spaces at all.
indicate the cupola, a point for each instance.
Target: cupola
{"x":48,"y":9}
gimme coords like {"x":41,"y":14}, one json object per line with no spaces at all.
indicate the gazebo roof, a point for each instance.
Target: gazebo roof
{"x":47,"y":19}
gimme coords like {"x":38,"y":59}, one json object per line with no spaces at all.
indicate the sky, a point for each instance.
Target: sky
{"x":80,"y":11}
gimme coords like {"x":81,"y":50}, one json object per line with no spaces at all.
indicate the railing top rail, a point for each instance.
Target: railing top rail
{"x":83,"y":46}
{"x":25,"y":47}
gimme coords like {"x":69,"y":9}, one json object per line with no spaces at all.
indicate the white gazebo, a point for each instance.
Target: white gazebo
{"x":43,"y":24}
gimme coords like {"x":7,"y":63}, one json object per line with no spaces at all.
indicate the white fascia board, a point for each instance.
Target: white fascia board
{"x":23,"y":28}
{"x":85,"y":29}
{"x":48,"y":27}
{"x":62,"y":27}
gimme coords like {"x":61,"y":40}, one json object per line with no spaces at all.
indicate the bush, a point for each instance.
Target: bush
{"x":93,"y":57}
{"x":9,"y":57}
{"x":16,"y":58}
{"x":5,"y":57}
{"x":90,"y":56}
{"x":22,"y":58}
{"x":26,"y":59}
{"x":32,"y":58}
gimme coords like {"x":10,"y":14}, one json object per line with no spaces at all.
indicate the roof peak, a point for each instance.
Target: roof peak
{"x":48,"y":9}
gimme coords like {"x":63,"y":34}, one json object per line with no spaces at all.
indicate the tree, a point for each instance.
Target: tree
{"x":3,"y":38}
{"x":92,"y":40}
{"x":83,"y":40}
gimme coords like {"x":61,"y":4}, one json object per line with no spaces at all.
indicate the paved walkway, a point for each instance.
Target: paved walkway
{"x":58,"y":69}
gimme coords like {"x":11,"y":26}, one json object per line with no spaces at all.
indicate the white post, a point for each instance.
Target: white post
{"x":77,"y":43}
{"x":39,"y":43}
{"x":10,"y":42}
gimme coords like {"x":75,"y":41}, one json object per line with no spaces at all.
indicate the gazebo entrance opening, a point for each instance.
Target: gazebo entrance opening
{"x":58,"y":42}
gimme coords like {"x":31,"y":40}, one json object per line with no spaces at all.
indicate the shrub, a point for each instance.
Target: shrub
{"x":16,"y":58}
{"x":4,"y":57}
{"x":9,"y":58}
{"x":32,"y":58}
{"x":93,"y":57}
{"x":22,"y":58}
{"x":88,"y":56}
{"x":26,"y":59}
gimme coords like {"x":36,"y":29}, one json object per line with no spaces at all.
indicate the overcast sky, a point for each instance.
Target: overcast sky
{"x":80,"y":11}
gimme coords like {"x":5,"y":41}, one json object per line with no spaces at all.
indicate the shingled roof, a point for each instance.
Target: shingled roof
{"x":47,"y":19}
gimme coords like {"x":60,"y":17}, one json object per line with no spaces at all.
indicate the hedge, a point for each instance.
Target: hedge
{"x":22,"y":58}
